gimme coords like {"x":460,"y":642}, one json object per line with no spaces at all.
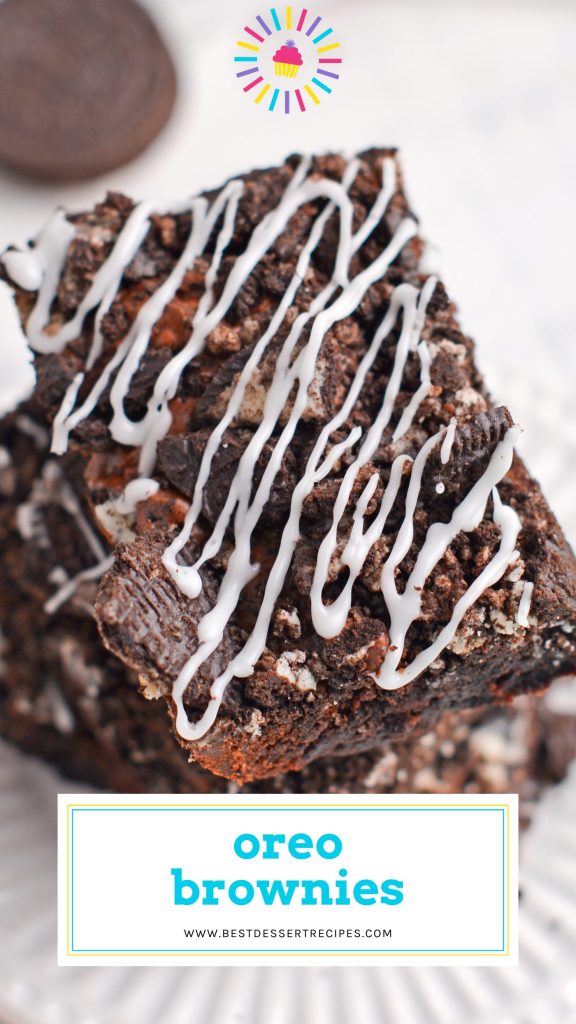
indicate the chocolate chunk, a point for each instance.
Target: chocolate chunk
{"x":179,"y":460}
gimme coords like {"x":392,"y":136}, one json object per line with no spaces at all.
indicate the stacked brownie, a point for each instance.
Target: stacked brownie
{"x":279,"y":488}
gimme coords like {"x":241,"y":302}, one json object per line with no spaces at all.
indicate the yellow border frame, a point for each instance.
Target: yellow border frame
{"x":280,"y":806}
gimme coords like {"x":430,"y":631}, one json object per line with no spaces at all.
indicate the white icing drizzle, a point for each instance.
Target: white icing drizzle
{"x":137,"y":490}
{"x":25,"y":268}
{"x":39,"y":268}
{"x":419,"y":395}
{"x":64,"y":421}
{"x":47,"y":258}
{"x":446,"y":449}
{"x":188,"y":578}
{"x":329,"y":620}
{"x":146,"y":432}
{"x":240,"y":569}
{"x":404,"y":608}
{"x":524,"y":604}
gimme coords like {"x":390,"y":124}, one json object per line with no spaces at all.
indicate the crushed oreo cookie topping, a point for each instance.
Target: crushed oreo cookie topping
{"x":289,"y":392}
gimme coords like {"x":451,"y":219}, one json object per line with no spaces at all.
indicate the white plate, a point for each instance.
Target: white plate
{"x":34,"y":991}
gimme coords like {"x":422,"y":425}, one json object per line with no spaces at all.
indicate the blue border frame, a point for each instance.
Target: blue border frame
{"x":295,"y":952}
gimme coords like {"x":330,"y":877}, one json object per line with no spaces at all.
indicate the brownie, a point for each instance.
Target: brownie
{"x":62,"y":695}
{"x":311,"y":532}
{"x":65,"y":698}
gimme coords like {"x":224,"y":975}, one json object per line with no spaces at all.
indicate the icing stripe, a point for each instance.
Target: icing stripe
{"x":187,"y":577}
{"x":329,"y":620}
{"x":524,"y":604}
{"x":240,"y":570}
{"x":448,"y":441}
{"x":504,"y":517}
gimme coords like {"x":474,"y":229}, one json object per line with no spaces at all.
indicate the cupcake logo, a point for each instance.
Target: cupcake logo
{"x":287,"y":60}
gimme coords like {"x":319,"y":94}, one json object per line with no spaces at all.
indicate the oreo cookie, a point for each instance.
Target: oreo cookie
{"x":85,"y":85}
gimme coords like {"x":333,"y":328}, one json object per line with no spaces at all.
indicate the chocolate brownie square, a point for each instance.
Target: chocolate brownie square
{"x":314,"y":535}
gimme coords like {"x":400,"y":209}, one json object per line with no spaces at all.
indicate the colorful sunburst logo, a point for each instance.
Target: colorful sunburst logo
{"x":288,"y":61}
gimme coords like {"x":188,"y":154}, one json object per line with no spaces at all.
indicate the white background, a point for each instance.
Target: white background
{"x":450,"y":860}
{"x":480,"y":95}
